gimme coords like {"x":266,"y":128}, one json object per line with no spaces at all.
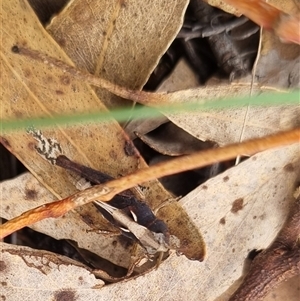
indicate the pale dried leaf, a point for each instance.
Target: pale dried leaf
{"x":233,"y":125}
{"x":28,"y":274}
{"x":65,"y":278}
{"x":112,"y":39}
{"x":243,"y":209}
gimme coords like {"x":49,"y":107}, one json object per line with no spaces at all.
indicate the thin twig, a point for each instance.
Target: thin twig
{"x":110,"y":189}
{"x":163,"y":100}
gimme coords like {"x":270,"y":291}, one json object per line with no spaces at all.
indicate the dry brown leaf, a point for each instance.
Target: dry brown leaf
{"x":121,"y":41}
{"x":31,"y":89}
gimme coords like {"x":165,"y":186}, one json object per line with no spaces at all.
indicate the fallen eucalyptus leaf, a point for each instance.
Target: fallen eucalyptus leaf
{"x":120,"y":41}
{"x":28,"y":274}
{"x":239,"y":211}
{"x":233,"y":125}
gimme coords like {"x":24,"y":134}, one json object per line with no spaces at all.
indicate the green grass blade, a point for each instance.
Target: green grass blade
{"x":121,"y":115}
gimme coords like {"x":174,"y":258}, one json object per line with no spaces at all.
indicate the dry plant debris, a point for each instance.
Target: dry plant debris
{"x":236,"y":211}
{"x":36,"y":90}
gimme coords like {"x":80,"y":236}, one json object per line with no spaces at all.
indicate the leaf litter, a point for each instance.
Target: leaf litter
{"x":225,"y":208}
{"x":241,"y":204}
{"x":34,"y":90}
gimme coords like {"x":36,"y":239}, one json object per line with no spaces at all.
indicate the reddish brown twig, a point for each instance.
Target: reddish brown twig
{"x":279,"y":262}
{"x":108,"y":190}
